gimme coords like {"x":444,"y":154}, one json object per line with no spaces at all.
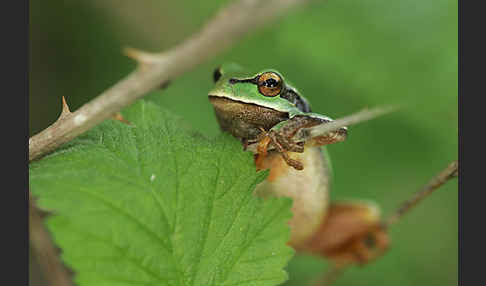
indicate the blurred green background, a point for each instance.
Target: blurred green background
{"x":343,"y":55}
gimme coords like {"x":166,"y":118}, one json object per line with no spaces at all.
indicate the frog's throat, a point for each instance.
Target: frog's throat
{"x":244,"y":120}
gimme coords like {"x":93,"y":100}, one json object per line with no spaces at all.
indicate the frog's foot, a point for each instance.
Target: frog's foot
{"x":336,"y":136}
{"x":291,"y":162}
{"x":286,"y":142}
{"x":282,"y":144}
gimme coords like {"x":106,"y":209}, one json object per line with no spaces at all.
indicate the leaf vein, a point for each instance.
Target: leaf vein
{"x":122,"y":251}
{"x":131,"y":217}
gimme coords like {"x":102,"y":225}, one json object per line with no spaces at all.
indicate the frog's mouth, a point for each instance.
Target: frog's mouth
{"x":221,"y":99}
{"x":213,"y":98}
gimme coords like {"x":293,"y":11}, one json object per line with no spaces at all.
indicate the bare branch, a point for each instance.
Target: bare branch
{"x":56,"y":273}
{"x":329,"y":276}
{"x":361,"y":116}
{"x":308,"y":133}
{"x":451,"y":171}
{"x":228,"y":26}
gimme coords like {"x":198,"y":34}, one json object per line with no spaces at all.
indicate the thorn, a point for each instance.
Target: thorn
{"x":119,"y":117}
{"x":133,"y":53}
{"x":164,"y":84}
{"x":143,"y":58}
{"x":65,"y":109}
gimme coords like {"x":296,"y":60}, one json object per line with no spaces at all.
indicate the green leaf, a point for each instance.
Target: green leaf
{"x":154,"y":204}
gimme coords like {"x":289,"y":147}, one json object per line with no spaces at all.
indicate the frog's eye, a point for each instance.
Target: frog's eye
{"x":269,"y":84}
{"x":217,"y":74}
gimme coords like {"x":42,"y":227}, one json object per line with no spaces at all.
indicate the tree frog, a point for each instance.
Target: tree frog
{"x":263,"y":108}
{"x":265,"y":112}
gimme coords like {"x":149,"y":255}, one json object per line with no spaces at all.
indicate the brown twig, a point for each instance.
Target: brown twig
{"x":358,"y":117}
{"x":56,"y":273}
{"x":451,"y":171}
{"x":329,"y":276}
{"x":229,"y":25}
{"x":319,"y":130}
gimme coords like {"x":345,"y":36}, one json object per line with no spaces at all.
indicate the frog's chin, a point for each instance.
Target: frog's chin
{"x":245,"y":120}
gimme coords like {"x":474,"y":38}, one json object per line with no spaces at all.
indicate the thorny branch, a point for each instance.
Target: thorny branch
{"x":229,"y":25}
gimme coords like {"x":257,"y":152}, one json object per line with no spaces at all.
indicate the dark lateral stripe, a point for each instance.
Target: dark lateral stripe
{"x":250,"y":80}
{"x":292,"y":96}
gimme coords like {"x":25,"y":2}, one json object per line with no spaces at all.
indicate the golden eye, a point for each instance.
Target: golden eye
{"x":269,"y":84}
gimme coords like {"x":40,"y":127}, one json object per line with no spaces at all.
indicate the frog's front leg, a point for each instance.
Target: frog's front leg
{"x":281,"y":136}
{"x":281,"y":143}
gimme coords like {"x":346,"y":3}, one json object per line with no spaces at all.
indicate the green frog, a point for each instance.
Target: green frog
{"x":265,"y":112}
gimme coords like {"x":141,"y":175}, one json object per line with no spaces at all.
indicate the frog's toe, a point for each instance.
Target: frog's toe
{"x":332,"y":137}
{"x":291,"y":162}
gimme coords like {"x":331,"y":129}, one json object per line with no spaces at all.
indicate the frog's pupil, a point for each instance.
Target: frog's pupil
{"x":271,"y":82}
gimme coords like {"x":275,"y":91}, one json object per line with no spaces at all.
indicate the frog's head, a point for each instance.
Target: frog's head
{"x":267,"y":88}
